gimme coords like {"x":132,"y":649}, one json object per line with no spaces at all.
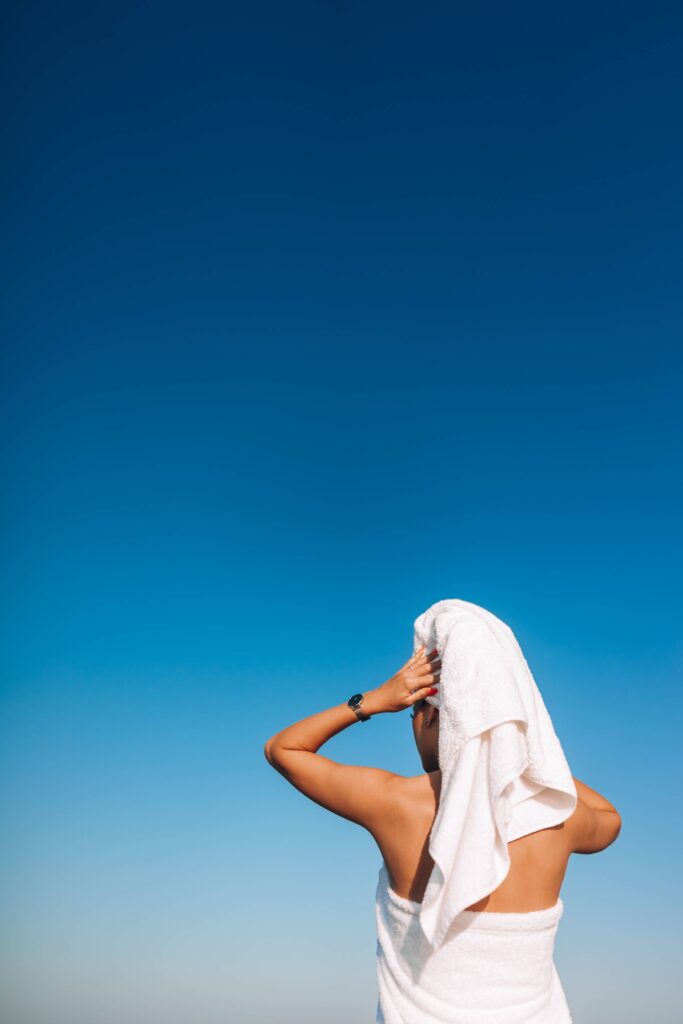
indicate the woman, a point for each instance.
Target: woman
{"x":494,"y":961}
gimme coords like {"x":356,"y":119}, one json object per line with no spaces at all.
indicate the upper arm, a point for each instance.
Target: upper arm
{"x":591,"y":829}
{"x":359,"y":794}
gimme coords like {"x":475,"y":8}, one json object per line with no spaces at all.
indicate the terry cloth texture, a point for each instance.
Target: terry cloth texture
{"x":492,"y":968}
{"x":503,"y":770}
{"x":503,"y":775}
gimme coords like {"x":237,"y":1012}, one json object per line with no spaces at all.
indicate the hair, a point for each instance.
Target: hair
{"x":421,"y":704}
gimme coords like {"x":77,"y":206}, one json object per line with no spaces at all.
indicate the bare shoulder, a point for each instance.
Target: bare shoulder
{"x":416,"y":797}
{"x":403,"y":833}
{"x":410,"y":804}
{"x":594,"y":825}
{"x":426,"y":786}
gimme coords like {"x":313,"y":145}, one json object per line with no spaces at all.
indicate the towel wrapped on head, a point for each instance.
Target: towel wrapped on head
{"x":503,"y":771}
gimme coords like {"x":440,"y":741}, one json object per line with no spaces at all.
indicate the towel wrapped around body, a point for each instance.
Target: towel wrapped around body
{"x":492,"y":968}
{"x":503,"y":775}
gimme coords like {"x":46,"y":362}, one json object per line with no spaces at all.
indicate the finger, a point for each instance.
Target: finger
{"x":424,"y":691}
{"x":417,"y":665}
{"x":429,"y":679}
{"x":426,"y":669}
{"x":432,"y":666}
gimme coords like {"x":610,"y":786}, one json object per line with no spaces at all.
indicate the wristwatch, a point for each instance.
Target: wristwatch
{"x":355,"y":703}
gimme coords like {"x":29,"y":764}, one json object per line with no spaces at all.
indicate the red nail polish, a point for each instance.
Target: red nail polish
{"x":433,"y":690}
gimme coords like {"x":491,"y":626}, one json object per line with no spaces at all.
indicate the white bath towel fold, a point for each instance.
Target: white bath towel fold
{"x":504,"y":773}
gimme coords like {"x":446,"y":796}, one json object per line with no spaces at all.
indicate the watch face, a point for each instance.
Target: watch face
{"x":355,"y":700}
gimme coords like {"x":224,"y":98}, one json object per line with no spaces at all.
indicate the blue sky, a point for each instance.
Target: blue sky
{"x":316,"y":315}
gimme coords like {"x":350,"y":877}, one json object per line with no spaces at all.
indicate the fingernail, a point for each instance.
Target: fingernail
{"x":433,"y":690}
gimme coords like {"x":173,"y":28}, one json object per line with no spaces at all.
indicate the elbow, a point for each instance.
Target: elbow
{"x":272,"y":751}
{"x":611,"y":829}
{"x":617,"y":825}
{"x":276,"y":754}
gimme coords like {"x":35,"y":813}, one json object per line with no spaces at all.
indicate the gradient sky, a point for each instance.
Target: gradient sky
{"x":316,"y":314}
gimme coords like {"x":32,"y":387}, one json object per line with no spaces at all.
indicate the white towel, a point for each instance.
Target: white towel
{"x":492,"y":968}
{"x":503,"y":770}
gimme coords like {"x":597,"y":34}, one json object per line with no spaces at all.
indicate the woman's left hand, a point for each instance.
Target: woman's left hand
{"x":417,"y":679}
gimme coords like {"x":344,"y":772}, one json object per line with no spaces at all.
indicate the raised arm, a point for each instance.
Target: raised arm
{"x":361,"y":794}
{"x":595,"y":824}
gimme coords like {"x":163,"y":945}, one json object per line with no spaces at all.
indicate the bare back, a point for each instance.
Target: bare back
{"x":538,"y":862}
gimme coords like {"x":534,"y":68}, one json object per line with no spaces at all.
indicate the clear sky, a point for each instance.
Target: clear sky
{"x":315,"y":314}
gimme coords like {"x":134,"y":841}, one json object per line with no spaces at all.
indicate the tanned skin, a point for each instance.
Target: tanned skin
{"x":399,"y":811}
